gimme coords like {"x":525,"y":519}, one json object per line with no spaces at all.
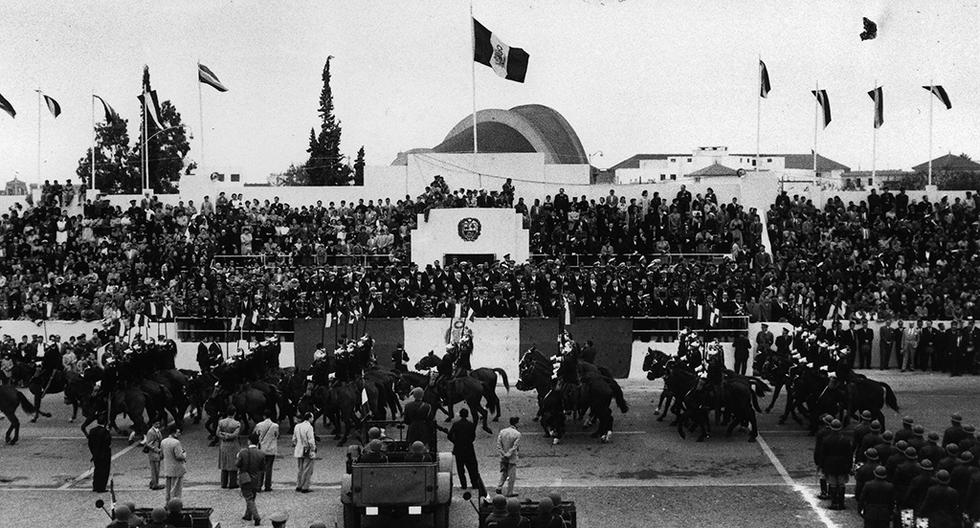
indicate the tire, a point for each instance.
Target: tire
{"x":440,"y":516}
{"x":352,"y":517}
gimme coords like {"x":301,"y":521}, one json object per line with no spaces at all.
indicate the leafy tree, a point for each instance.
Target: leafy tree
{"x":359,"y":167}
{"x":114,"y":173}
{"x":326,"y":166}
{"x":167,"y":149}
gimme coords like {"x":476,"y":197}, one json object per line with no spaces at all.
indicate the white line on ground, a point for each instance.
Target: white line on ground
{"x":807,"y":494}
{"x":539,"y":433}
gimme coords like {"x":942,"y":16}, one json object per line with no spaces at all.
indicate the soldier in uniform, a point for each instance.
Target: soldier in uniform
{"x":942,"y":504}
{"x":464,"y":350}
{"x":877,"y":500}
{"x":954,"y":433}
{"x":836,"y":458}
{"x":865,"y":473}
{"x":399,"y":359}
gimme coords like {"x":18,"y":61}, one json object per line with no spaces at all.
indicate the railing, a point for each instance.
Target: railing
{"x":665,"y":329}
{"x":289,"y":259}
{"x":579,"y":260}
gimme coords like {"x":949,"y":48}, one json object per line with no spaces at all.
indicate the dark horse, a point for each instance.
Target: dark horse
{"x":10,"y":399}
{"x":39,"y":385}
{"x":678,"y":381}
{"x":535,"y":374}
{"x":486,"y":376}
{"x":591,"y":389}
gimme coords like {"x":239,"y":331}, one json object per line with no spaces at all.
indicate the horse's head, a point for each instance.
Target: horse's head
{"x":429,"y":361}
{"x":526,"y":373}
{"x":656,"y":364}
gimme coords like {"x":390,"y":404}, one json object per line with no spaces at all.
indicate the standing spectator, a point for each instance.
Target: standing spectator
{"x":399,"y":359}
{"x":508,"y":446}
{"x":863,"y":339}
{"x":742,"y":346}
{"x":783,"y":344}
{"x":100,"y":445}
{"x":886,"y":343}
{"x":154,"y":454}
{"x":228,"y":430}
{"x":910,"y":344}
{"x":304,"y":450}
{"x":764,"y":340}
{"x":462,"y":434}
{"x":268,"y":432}
{"x":251,"y":463}
{"x":174,"y":458}
{"x":419,"y":416}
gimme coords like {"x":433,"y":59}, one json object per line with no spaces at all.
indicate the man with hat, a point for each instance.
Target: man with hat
{"x":279,"y":521}
{"x":120,"y":515}
{"x":906,"y":432}
{"x":896,"y":458}
{"x":904,"y":473}
{"x":877,"y":500}
{"x":885,"y":448}
{"x":862,"y":429}
{"x":836,"y":458}
{"x":942,"y":504}
{"x":865,"y":473}
{"x":919,"y":440}
{"x":863,"y":338}
{"x":822,"y":433}
{"x":954,"y":433}
{"x":250,"y":462}
{"x":158,"y":519}
{"x":931,"y":449}
{"x":870,"y":440}
{"x":969,"y":442}
{"x":963,"y":473}
{"x":498,"y":513}
{"x":949,"y":461}
{"x":912,"y":500}
{"x":887,"y":337}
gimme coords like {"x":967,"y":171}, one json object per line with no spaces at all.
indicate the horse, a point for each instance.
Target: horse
{"x":10,"y":399}
{"x":845,"y":398}
{"x":534,"y":373}
{"x":77,"y":388}
{"x":465,"y":389}
{"x":486,"y":376}
{"x":339,"y":402}
{"x":775,"y":369}
{"x":678,"y":381}
{"x":53,"y":383}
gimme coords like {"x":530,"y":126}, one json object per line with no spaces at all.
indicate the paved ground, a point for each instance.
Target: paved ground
{"x":646,"y":476}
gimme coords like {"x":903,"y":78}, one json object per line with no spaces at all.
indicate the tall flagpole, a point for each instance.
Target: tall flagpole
{"x":144,"y":183}
{"x":758,"y":115}
{"x":932,"y":97}
{"x":473,"y":75}
{"x":874,"y":144}
{"x":816,"y":124}
{"x":94,"y":140}
{"x":38,"y":134}
{"x":200,"y":104}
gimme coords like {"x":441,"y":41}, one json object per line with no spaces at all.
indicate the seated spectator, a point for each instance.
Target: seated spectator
{"x":418,"y":452}
{"x":372,"y":453}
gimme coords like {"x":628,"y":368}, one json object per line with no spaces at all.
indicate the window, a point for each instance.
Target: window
{"x":673,"y":176}
{"x":689,"y":160}
{"x":870,"y":182}
{"x":768,"y":160}
{"x":673,"y":160}
{"x":753,"y":163}
{"x":663,"y":177}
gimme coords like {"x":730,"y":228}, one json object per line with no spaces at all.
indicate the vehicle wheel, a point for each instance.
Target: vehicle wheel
{"x":352,"y":517}
{"x":440,"y":516}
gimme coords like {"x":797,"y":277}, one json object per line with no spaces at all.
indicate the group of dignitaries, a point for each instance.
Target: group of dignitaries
{"x":903,"y":477}
{"x":916,"y":344}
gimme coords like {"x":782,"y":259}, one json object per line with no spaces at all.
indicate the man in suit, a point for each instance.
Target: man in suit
{"x":228,"y":430}
{"x":910,"y":344}
{"x":251,"y":463}
{"x":783,"y":344}
{"x":863,"y":338}
{"x":742,"y":347}
{"x":154,"y":454}
{"x":100,"y":445}
{"x":268,"y":433}
{"x":304,"y":451}
{"x":419,"y":416}
{"x":174,"y":458}
{"x":462,"y":434}
{"x":927,"y":345}
{"x":957,"y":348}
{"x":886,"y":343}
{"x":764,"y":340}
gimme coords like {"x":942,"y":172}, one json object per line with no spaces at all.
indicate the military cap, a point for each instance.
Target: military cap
{"x":881,"y":472}
{"x":926,"y":464}
{"x":901,"y":445}
{"x":956,"y":418}
{"x":866,"y":415}
{"x":919,"y":430}
{"x":934,"y":436}
{"x":910,"y":453}
{"x":887,"y":436}
{"x":499,"y":503}
{"x":969,"y":428}
{"x":871,"y":453}
{"x":952,"y":449}
{"x":875,"y":425}
{"x":942,"y":476}
{"x":545,"y":506}
{"x":908,"y":420}
{"x":836,"y":425}
{"x":513,"y":506}
{"x":158,"y":515}
{"x":121,"y":512}
{"x":966,"y":456}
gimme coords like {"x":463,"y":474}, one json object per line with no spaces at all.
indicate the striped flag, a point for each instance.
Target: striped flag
{"x":566,"y":309}
{"x":509,"y":63}
{"x":206,"y":76}
{"x":53,"y":106}
{"x":824,"y":101}
{"x":764,"y":85}
{"x":877,"y":96}
{"x":328,"y":321}
{"x":7,"y":107}
{"x":152,"y":107}
{"x":940,"y":92}
{"x":110,"y":114}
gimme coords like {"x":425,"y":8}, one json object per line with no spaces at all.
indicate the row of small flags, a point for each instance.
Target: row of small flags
{"x":147,"y":99}
{"x":823,"y":99}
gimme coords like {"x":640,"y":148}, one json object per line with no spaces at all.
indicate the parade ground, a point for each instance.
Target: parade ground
{"x":647,"y":475}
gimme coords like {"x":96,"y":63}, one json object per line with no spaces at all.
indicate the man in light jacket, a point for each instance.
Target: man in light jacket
{"x":304,"y":450}
{"x":268,"y":433}
{"x":154,"y":454}
{"x":174,"y":458}
{"x":508,"y":447}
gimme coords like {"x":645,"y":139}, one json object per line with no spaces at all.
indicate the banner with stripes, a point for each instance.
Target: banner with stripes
{"x":7,"y":107}
{"x":824,"y":101}
{"x":206,"y":76}
{"x":53,"y":106}
{"x":110,"y":113}
{"x":509,"y":63}
{"x":941,"y":94}
{"x":878,"y":97}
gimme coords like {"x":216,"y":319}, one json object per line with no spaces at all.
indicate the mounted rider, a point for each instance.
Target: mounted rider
{"x":463,"y":352}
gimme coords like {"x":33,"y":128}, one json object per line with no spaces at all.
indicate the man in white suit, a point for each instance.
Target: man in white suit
{"x":268,"y":432}
{"x":304,"y":450}
{"x":174,"y":458}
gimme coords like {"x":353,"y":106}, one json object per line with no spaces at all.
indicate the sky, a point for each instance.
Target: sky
{"x":630,"y":76}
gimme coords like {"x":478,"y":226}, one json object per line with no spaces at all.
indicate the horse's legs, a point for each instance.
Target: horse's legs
{"x":37,"y":407}
{"x":775,"y":396}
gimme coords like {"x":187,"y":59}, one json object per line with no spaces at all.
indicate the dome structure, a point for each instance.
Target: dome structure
{"x":526,"y":128}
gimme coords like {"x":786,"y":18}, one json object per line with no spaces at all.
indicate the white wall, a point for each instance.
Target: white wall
{"x":501,"y":233}
{"x":496,"y":342}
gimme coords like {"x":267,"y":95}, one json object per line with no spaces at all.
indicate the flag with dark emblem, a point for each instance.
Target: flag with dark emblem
{"x":53,"y":106}
{"x":870,"y":30}
{"x":206,"y":76}
{"x":110,"y":114}
{"x":876,"y":96}
{"x":7,"y":107}
{"x":940,"y":92}
{"x":824,"y":101}
{"x":764,"y":85}
{"x":152,"y":107}
{"x":509,"y":63}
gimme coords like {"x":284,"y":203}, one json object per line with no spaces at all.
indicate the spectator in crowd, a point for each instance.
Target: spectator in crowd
{"x":268,"y":433}
{"x":508,"y":447}
{"x":154,"y":453}
{"x":462,"y":434}
{"x":304,"y":451}
{"x":251,"y":463}
{"x":174,"y":458}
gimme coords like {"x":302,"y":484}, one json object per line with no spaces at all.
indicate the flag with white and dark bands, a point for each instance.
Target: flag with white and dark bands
{"x":764,"y":86}
{"x":53,"y":106}
{"x":878,"y":97}
{"x":509,"y":63}
{"x":824,"y":101}
{"x":7,"y":107}
{"x":941,"y":94}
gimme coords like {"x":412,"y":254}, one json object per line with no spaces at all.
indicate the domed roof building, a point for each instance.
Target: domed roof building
{"x":526,"y":128}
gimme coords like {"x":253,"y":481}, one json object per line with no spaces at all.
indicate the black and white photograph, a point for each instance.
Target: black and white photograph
{"x":490,"y":264}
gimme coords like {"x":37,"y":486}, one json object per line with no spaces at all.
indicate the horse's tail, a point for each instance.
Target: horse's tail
{"x":503,"y":377}
{"x":618,"y":394}
{"x":25,"y":403}
{"x":890,"y":398}
{"x":759,"y":385}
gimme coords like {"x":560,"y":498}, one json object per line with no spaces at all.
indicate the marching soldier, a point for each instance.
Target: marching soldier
{"x":836,"y":459}
{"x":877,"y":500}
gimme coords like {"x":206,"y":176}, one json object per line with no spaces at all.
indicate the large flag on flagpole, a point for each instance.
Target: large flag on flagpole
{"x":764,"y":85}
{"x":7,"y":107}
{"x":877,"y":96}
{"x":940,"y":93}
{"x":824,"y":101}
{"x":206,"y":76}
{"x":152,"y":107}
{"x":509,"y":63}
{"x":110,"y":114}
{"x":53,"y":106}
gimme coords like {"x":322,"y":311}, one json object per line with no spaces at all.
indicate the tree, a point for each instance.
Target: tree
{"x":113,"y":171}
{"x":294,"y":175}
{"x":166,"y":150}
{"x":326,"y":166}
{"x":359,"y":167}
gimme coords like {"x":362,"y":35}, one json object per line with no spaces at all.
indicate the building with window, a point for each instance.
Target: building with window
{"x":717,"y":162}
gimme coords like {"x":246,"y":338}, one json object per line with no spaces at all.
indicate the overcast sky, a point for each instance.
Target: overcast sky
{"x":630,"y":76}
